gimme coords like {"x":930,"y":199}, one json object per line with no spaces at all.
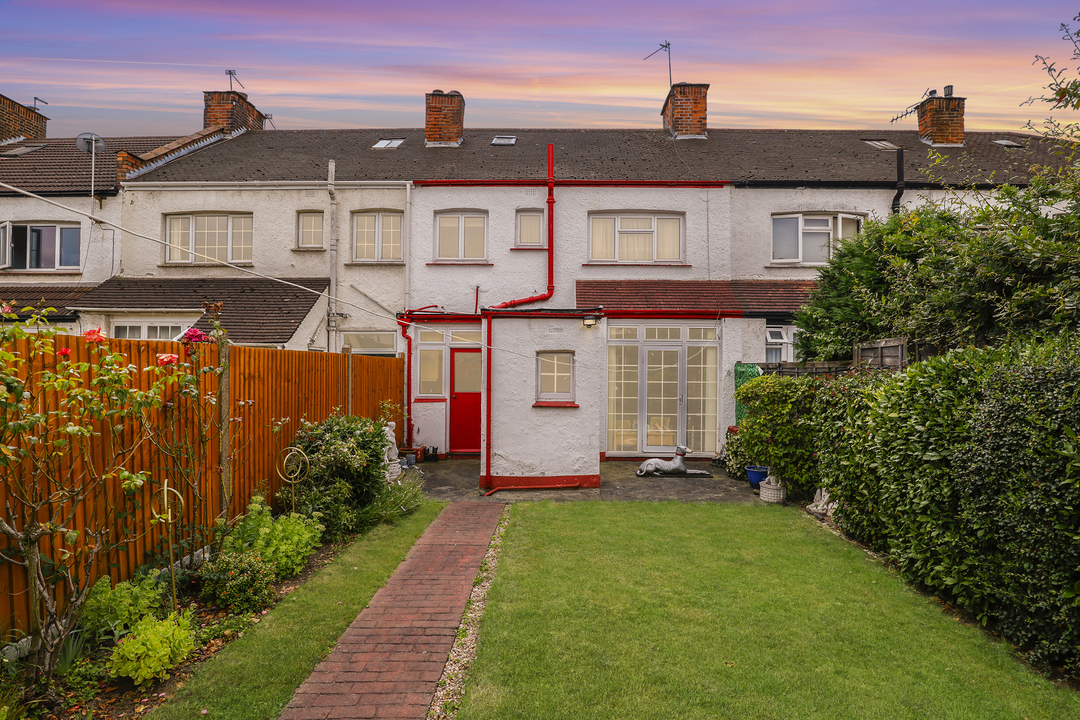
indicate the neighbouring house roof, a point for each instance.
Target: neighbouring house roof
{"x":254,"y":310}
{"x":57,"y":167}
{"x":760,"y":158}
{"x":696,"y":298}
{"x":58,"y":297}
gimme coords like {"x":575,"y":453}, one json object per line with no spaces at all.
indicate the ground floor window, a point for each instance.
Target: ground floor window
{"x":662,"y":389}
{"x":147,"y":331}
{"x":370,"y":343}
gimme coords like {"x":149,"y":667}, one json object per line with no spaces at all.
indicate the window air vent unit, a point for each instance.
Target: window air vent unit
{"x":882,"y":144}
{"x":504,"y":140}
{"x":20,"y":151}
{"x":1008,"y":143}
{"x":387,"y":144}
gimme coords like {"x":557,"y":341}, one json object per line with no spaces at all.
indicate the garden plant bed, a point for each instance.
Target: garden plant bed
{"x":227,"y":674}
{"x":120,"y":698}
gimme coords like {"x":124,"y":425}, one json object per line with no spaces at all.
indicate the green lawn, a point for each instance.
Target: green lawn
{"x":631,"y":610}
{"x":255,"y":676}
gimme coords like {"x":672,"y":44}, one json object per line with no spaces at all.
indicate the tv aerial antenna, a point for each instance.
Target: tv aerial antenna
{"x":666,"y":47}
{"x":93,"y":144}
{"x":232,"y":76}
{"x":36,"y":101}
{"x":910,"y":109}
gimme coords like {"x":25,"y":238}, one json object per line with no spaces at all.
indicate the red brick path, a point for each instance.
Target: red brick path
{"x":388,"y":662}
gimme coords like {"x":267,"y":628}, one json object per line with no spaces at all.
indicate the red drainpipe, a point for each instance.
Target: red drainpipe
{"x":408,"y":372}
{"x":521,"y":301}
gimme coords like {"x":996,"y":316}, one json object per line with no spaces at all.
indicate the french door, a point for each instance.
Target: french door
{"x":661,"y":395}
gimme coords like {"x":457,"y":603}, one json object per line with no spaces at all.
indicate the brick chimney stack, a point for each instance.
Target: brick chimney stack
{"x":685,"y":111}
{"x":231,"y":110}
{"x":941,"y":119}
{"x":17,"y":120}
{"x":444,"y":125}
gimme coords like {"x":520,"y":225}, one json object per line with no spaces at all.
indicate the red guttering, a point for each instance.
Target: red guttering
{"x":575,"y":183}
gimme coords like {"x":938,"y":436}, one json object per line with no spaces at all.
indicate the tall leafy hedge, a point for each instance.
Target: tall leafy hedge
{"x":964,"y":470}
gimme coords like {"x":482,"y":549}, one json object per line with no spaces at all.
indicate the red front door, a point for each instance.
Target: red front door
{"x":465,"y":382}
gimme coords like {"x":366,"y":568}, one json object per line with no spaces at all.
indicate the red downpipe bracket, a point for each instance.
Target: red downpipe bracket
{"x":522,"y":301}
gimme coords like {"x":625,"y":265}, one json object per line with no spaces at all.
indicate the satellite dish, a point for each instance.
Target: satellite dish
{"x":91,"y":143}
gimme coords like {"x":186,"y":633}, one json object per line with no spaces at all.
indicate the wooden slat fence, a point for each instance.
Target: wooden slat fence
{"x":266,"y":389}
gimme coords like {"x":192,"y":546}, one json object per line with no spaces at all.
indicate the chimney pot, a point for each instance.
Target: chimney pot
{"x":948,"y":91}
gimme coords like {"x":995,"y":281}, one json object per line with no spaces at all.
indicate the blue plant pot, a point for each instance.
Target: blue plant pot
{"x":756,"y":473}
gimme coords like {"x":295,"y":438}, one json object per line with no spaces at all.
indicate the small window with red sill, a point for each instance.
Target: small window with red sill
{"x":555,"y":379}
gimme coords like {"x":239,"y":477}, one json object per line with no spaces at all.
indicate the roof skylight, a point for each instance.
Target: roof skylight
{"x":504,"y":140}
{"x":387,"y":144}
{"x":1008,"y":143}
{"x":881,"y":144}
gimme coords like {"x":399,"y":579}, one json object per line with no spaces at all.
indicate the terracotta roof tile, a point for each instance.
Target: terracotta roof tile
{"x":698,"y":298}
{"x":254,"y":310}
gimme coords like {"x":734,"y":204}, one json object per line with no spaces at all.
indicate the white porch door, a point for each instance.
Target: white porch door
{"x":665,"y":421}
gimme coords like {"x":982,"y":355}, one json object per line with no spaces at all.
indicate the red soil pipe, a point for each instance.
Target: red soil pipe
{"x":487,"y":398}
{"x":531,"y":487}
{"x":522,"y":301}
{"x":551,"y":241}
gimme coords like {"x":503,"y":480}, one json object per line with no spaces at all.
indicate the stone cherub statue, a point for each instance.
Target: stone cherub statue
{"x":393,"y":466}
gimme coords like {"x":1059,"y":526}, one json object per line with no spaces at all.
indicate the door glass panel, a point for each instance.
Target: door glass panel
{"x":622,"y":398}
{"x":467,"y":372}
{"x":701,"y":398}
{"x":662,"y":398}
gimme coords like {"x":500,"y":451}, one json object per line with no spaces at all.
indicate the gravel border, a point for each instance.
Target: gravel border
{"x":451,"y":687}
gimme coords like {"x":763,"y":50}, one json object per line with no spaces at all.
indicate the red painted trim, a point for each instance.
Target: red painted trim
{"x":575,"y":183}
{"x":555,"y":403}
{"x":485,"y":479}
{"x":613,"y":263}
{"x":603,"y":456}
{"x":429,"y":400}
{"x":542,"y":482}
{"x":540,"y":314}
{"x":672,"y":314}
{"x":444,"y":318}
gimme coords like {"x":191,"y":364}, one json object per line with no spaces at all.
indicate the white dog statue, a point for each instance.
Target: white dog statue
{"x":676,"y":464}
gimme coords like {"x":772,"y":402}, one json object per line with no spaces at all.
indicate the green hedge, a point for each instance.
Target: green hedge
{"x":964,"y":471}
{"x":778,"y":429}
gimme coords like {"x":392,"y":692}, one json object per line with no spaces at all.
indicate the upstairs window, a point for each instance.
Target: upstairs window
{"x":808,"y":238}
{"x":530,"y":229}
{"x":310,"y":230}
{"x":208,"y":239}
{"x":40,"y":247}
{"x":636,"y":238}
{"x":460,"y":236}
{"x":377,"y":237}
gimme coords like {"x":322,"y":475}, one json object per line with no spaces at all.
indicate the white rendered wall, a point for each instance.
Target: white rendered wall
{"x":369,"y":292}
{"x":743,"y":342}
{"x":532,"y":441}
{"x":99,"y":244}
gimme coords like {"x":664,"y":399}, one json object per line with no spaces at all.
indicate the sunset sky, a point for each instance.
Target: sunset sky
{"x":138,"y":67}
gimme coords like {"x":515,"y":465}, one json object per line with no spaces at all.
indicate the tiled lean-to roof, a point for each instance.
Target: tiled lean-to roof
{"x":43,"y":296}
{"x":254,"y":310}
{"x":761,"y":158}
{"x":696,"y":298}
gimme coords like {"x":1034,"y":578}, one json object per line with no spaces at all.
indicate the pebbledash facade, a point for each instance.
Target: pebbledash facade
{"x":561,"y":296}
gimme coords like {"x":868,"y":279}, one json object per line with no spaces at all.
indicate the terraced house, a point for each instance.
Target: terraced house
{"x":562,"y":296}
